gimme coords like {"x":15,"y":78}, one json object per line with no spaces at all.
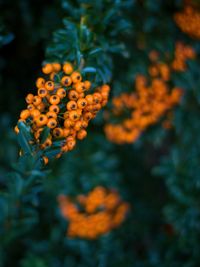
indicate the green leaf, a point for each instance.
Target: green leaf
{"x":89,"y":70}
{"x":25,"y":129}
{"x":24,"y":137}
{"x":44,"y":135}
{"x":52,"y":153}
{"x":95,"y":51}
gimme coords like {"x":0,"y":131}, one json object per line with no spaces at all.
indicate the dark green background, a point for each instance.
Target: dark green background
{"x":159,"y":175}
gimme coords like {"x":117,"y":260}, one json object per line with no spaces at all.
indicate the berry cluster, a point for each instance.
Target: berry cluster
{"x":188,"y":20}
{"x":152,"y":100}
{"x":146,"y":106}
{"x":161,"y":70}
{"x":94,"y":214}
{"x":182,"y":54}
{"x":62,"y":106}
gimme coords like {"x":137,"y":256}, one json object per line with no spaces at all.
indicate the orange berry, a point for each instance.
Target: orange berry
{"x":104,"y":94}
{"x":88,"y":116}
{"x":35,"y":113}
{"x":69,"y":138}
{"x":54,"y":108}
{"x":71,"y":144}
{"x":56,"y":66}
{"x":67,"y":68}
{"x":29,"y":98}
{"x":87,"y":85}
{"x":81,"y":134}
{"x":48,"y":142}
{"x":31,"y":107}
{"x":79,"y":111}
{"x":49,"y":85}
{"x":51,"y":115}
{"x":37,"y":100}
{"x":96,"y":107}
{"x":41,"y":120}
{"x":73,"y":95}
{"x":105,"y":88}
{"x":66,"y":132}
{"x":84,"y":123}
{"x":47,"y":69}
{"x":89,"y":99}
{"x":73,"y":132}
{"x":80,"y":87}
{"x":66,"y":80}
{"x":40,"y":82}
{"x":89,"y":108}
{"x":16,"y":129}
{"x":41,"y":107}
{"x":42,"y":92}
{"x":61,"y":93}
{"x":73,"y":115}
{"x":52,"y":123}
{"x":66,"y":115}
{"x":37,"y":133}
{"x":78,"y":125}
{"x":25,"y":114}
{"x":58,"y":132}
{"x":97,"y":98}
{"x":45,"y":160}
{"x":54,"y":100}
{"x":81,"y":95}
{"x":59,"y":155}
{"x":64,"y":148}
{"x":82,"y":103}
{"x":52,"y":76}
{"x":71,"y":105}
{"x":68,"y":123}
{"x":104,"y":102}
{"x":76,"y":77}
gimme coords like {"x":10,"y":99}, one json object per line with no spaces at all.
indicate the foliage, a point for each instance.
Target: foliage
{"x":158,"y":175}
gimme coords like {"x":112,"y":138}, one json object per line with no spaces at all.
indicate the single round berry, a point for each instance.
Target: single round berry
{"x":66,"y":80}
{"x":87,"y":85}
{"x":49,"y":85}
{"x":52,"y":123}
{"x":47,"y":69}
{"x":56,"y":66}
{"x":67,"y":68}
{"x":97,"y":98}
{"x":51,"y":115}
{"x":73,"y":115}
{"x":35,"y":113}
{"x":76,"y":77}
{"x":42,"y":92}
{"x":58,"y":132}
{"x":25,"y":114}
{"x":54,"y":108}
{"x":81,"y":134}
{"x":54,"y":100}
{"x":82,"y":103}
{"x":73,"y":95}
{"x":80,"y":87}
{"x":71,"y":105}
{"x":37,"y":100}
{"x":61,"y":93}
{"x":89,"y":99}
{"x":29,"y":98}
{"x":30,"y":107}
{"x":40,"y":82}
{"x":41,"y":120}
